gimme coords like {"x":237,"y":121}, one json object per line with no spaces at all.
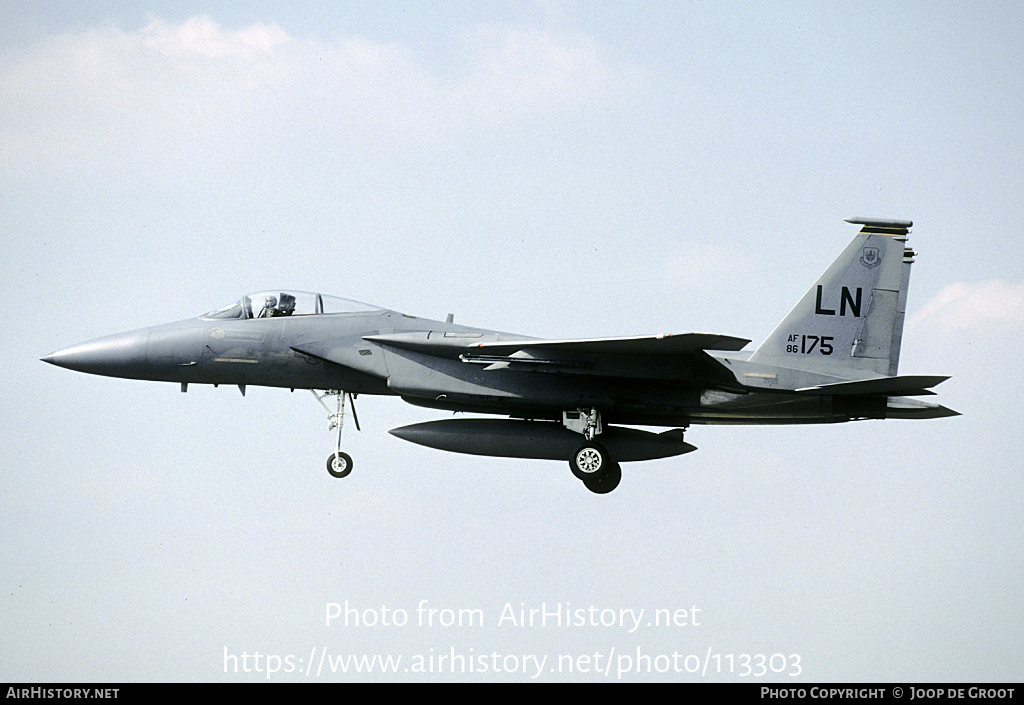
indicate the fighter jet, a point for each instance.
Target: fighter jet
{"x":834,"y":358}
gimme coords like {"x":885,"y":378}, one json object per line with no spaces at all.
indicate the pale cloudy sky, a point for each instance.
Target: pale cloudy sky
{"x":553,"y":168}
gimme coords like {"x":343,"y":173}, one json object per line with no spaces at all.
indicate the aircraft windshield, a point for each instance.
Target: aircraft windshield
{"x":277,"y":304}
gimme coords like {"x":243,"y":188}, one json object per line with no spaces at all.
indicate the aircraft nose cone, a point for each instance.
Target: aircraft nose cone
{"x":115,"y":355}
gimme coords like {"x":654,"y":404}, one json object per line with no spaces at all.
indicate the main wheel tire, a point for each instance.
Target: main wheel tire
{"x":606,"y":481}
{"x":589,"y":460}
{"x":339,"y":465}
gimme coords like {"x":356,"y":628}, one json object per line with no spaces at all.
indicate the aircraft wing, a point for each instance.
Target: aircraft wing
{"x":643,"y":345}
{"x":464,"y":344}
{"x":680,"y":356}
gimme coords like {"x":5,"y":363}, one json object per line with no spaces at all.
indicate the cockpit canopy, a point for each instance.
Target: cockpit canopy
{"x":275,"y":304}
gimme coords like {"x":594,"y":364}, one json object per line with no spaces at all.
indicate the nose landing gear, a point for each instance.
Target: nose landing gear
{"x":339,"y":464}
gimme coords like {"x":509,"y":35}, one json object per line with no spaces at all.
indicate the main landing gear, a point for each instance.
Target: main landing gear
{"x":339,"y":464}
{"x":591,"y":462}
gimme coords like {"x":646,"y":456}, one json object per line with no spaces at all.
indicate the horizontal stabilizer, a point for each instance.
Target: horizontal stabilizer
{"x":904,"y":408}
{"x":905,"y":386}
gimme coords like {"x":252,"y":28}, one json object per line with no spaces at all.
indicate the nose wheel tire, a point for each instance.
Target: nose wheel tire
{"x":339,"y":465}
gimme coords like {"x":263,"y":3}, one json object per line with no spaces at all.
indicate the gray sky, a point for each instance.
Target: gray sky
{"x":557,"y":169}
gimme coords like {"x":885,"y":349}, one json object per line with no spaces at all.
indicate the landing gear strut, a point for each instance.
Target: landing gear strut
{"x":591,"y":462}
{"x":339,"y":464}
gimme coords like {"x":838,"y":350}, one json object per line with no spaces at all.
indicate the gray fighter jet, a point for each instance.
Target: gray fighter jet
{"x":833,"y":358}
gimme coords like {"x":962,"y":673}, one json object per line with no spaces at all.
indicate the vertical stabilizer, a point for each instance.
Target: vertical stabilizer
{"x":851,"y":320}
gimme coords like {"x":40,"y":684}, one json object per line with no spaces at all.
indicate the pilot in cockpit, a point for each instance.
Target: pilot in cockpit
{"x":271,"y":309}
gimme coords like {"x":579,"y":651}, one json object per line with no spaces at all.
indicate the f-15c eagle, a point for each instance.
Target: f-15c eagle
{"x":833,"y":358}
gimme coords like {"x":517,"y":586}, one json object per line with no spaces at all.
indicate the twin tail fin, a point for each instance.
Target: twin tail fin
{"x":850,"y":323}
